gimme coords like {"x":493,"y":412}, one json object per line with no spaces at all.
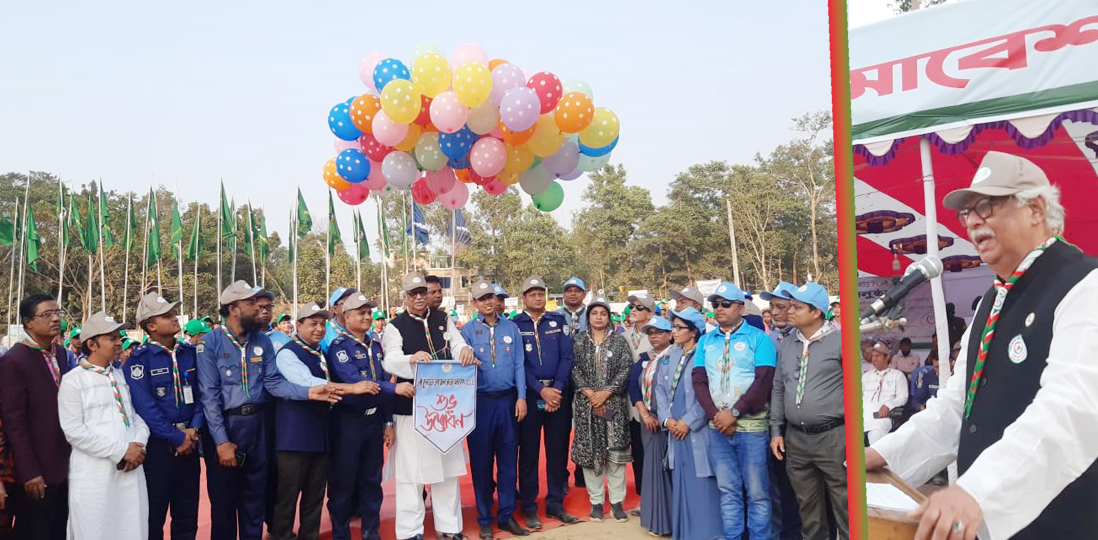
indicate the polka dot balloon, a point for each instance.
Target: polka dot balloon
{"x":548,"y":88}
{"x":353,"y":166}
{"x":388,"y":70}
{"x":472,"y":84}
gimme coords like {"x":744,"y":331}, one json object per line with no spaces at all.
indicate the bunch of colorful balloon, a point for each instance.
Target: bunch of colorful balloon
{"x":436,"y":126}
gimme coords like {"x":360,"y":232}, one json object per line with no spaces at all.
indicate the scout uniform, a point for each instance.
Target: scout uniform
{"x":577,"y":320}
{"x":356,"y":454}
{"x":163,"y":383}
{"x":231,"y":372}
{"x":334,"y":329}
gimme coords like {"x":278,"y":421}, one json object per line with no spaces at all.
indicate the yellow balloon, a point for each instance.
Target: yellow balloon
{"x":409,"y":142}
{"x":519,"y":158}
{"x":401,"y":101}
{"x":603,"y":129}
{"x":472,"y":84}
{"x":507,"y":178}
{"x":547,"y":137}
{"x":431,"y":75}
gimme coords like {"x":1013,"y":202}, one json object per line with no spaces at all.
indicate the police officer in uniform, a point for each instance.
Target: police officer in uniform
{"x":335,"y":325}
{"x":548,"y":351}
{"x":501,"y":401}
{"x":361,"y":424}
{"x":163,"y":381}
{"x":232,"y":362}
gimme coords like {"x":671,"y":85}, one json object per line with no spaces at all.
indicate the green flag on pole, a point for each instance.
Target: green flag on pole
{"x":333,"y":227}
{"x":7,"y":231}
{"x":64,"y":221}
{"x":263,"y":246}
{"x":360,"y":238}
{"x":34,"y":242}
{"x":177,"y":227}
{"x":152,"y":255}
{"x":304,"y":218}
{"x":228,"y":223}
{"x":383,"y":230}
{"x":89,"y":236}
{"x":131,"y":220}
{"x":104,"y":219}
{"x":195,"y":245}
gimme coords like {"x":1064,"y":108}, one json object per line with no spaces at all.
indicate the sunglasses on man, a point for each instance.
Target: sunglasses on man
{"x":637,"y":307}
{"x":725,"y":304}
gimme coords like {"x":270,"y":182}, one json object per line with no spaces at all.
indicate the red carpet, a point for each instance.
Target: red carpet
{"x":575,"y":502}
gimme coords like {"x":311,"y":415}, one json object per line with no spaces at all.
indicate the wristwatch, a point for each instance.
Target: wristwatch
{"x":736,"y":413}
{"x":388,"y":424}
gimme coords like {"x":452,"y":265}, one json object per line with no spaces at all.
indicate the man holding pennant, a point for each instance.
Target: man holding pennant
{"x":422,"y":335}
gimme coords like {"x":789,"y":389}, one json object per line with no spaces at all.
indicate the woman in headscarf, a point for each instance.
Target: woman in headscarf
{"x":695,"y":495}
{"x":600,"y":408}
{"x":655,"y":510}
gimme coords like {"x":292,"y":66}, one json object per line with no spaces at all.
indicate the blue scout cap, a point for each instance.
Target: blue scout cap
{"x":339,"y":294}
{"x":812,"y":294}
{"x":575,"y":282}
{"x":781,"y":291}
{"x":499,"y":290}
{"x":693,"y":317}
{"x":658,"y":323}
{"x":727,"y":291}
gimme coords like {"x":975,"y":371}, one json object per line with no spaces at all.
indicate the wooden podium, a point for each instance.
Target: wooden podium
{"x":891,"y":524}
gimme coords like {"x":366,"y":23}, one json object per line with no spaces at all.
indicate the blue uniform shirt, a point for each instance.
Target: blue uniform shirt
{"x":220,"y":385}
{"x":577,"y":323}
{"x":278,"y":339}
{"x":509,"y":371}
{"x":349,"y":363}
{"x":331,"y":332}
{"x":152,"y":389}
{"x":748,"y":348}
{"x":548,"y":350}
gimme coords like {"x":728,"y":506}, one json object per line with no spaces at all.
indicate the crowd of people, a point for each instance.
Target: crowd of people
{"x":731,"y":422}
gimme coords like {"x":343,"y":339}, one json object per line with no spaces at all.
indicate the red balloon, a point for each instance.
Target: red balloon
{"x":423,"y":194}
{"x":424,"y":117}
{"x":354,"y":195}
{"x":548,"y":88}
{"x":495,"y":187}
{"x":373,"y":149}
{"x":478,"y":179}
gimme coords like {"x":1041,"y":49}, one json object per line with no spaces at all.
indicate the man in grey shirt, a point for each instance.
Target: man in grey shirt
{"x":806,"y":419}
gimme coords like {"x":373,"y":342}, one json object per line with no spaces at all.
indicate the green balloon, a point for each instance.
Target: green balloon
{"x":550,"y":199}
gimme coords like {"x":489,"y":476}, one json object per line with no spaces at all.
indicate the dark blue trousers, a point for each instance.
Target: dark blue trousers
{"x":557,"y":426}
{"x":173,"y":483}
{"x":354,"y":471}
{"x":494,"y":441}
{"x":238,"y":495}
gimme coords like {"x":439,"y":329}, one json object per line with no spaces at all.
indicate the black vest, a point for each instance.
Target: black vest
{"x":415,"y":340}
{"x":1007,"y":388}
{"x":302,"y":425}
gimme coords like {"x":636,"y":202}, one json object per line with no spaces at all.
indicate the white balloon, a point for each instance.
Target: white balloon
{"x":535,"y":181}
{"x":399,"y":169}
{"x":483,"y":118}
{"x":591,"y":164}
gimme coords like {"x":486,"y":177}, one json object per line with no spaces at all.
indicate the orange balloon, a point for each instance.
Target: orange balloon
{"x":463,"y":175}
{"x":409,"y":142}
{"x":516,"y":138}
{"x":574,"y":112}
{"x":507,"y":178}
{"x":363,"y":109}
{"x":496,"y":62}
{"x":332,"y":177}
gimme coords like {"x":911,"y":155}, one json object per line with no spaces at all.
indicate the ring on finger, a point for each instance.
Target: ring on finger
{"x":958,"y":527}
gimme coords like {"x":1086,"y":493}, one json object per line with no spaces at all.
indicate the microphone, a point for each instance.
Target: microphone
{"x":927,"y":268}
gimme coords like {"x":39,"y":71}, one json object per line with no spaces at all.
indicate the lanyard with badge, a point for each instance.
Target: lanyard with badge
{"x":243,"y":360}
{"x":181,"y":385}
{"x":369,"y":352}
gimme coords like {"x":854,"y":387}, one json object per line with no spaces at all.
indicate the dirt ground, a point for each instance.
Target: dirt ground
{"x":605,"y":530}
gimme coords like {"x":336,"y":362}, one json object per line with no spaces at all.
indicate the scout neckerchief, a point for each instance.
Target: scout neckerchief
{"x":426,"y":331}
{"x":1001,"y":290}
{"x":880,"y":384}
{"x":491,"y":337}
{"x":313,"y":351}
{"x":369,"y":352}
{"x":726,"y":360}
{"x":50,"y":358}
{"x":537,"y":334}
{"x":575,"y":319}
{"x":106,"y":372}
{"x":649,"y":376}
{"x":177,"y":384}
{"x":634,"y":334}
{"x":802,"y":368}
{"x":243,"y":359}
{"x":686,"y":356}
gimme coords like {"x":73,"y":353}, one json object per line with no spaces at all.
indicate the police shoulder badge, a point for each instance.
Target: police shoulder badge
{"x":1016,"y":351}
{"x":161,"y":391}
{"x":257,"y":350}
{"x":137,"y":371}
{"x":342,"y":356}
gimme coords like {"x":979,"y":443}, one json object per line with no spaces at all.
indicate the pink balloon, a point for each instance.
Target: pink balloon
{"x":468,"y":52}
{"x":388,"y":132}
{"x":565,"y":160}
{"x":366,"y":69}
{"x":447,"y":113}
{"x":488,"y":156}
{"x":440,"y":181}
{"x":456,"y":197}
{"x":354,"y":195}
{"x":519,"y":108}
{"x":376,"y":180}
{"x":504,"y":78}
{"x":495,"y":187}
{"x":341,"y":145}
{"x":422,"y":194}
{"x":496,"y":133}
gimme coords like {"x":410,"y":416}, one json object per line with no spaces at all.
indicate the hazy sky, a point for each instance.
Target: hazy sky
{"x":185,"y":94}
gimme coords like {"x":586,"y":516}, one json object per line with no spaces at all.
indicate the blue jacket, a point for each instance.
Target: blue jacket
{"x":548,"y":350}
{"x":576,"y":325}
{"x":694,"y":415}
{"x":152,"y":390}
{"x":349,"y":363}
{"x":220,"y":385}
{"x":509,"y":371}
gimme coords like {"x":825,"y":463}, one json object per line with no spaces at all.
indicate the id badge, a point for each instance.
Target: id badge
{"x":188,"y":394}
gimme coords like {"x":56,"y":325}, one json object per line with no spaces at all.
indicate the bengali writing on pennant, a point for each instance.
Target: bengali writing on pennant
{"x":445,"y":402}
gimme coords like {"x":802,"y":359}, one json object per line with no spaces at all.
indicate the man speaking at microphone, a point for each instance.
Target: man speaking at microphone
{"x":1019,"y":418}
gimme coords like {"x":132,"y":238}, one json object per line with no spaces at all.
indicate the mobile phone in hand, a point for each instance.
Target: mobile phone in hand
{"x":240,"y":458}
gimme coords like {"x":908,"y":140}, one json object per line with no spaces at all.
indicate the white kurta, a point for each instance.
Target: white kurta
{"x":887,"y":388}
{"x":417,"y":460}
{"x":104,"y":503}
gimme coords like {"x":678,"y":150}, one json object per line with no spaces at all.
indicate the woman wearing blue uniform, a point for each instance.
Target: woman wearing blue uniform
{"x":655,"y":510}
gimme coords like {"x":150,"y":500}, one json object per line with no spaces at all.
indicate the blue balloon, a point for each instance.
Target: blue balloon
{"x":339,"y":121}
{"x":460,"y":162}
{"x":389,"y":70}
{"x":458,"y":143}
{"x":597,"y":152}
{"x":353,"y":166}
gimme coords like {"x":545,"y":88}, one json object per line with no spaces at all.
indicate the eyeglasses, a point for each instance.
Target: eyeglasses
{"x":983,"y":208}
{"x":725,"y":304}
{"x":420,"y":292}
{"x":51,"y":314}
{"x":680,"y":327}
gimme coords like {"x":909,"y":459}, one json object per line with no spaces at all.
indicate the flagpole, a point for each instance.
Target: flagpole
{"x":384,"y":241}
{"x":357,"y":218}
{"x":328,"y":250}
{"x":145,"y":249}
{"x":179,"y":247}
{"x":126,"y":248}
{"x":251,"y":240}
{"x":232,"y":270}
{"x":197,"y":253}
{"x":293,"y":238}
{"x":404,"y":211}
{"x":102,"y":271}
{"x":61,"y":239}
{"x":218,"y":235}
{"x":23,"y":237}
{"x":453,"y":257}
{"x":14,"y":256}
